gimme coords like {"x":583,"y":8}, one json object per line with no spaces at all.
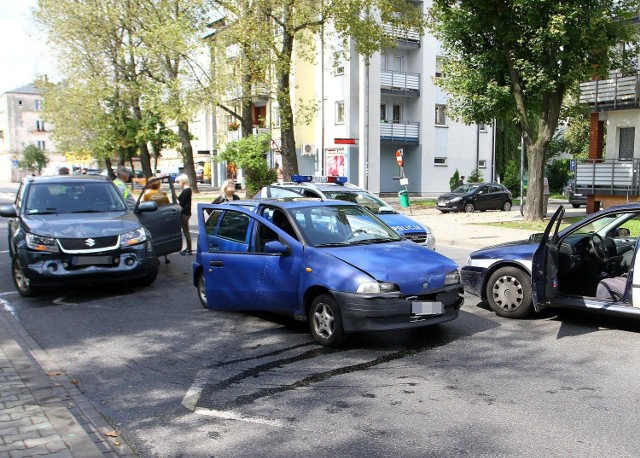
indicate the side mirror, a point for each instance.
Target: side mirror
{"x":148,"y":206}
{"x":8,"y":211}
{"x":535,"y":238}
{"x":276,"y":247}
{"x":622,"y":232}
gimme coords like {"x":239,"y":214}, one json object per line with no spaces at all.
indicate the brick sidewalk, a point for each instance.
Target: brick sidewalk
{"x":42,"y":411}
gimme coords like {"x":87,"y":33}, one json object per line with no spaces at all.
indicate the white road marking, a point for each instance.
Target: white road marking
{"x":228,"y":415}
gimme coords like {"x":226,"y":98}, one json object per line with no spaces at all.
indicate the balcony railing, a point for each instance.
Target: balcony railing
{"x":258,"y":91}
{"x":406,"y":36}
{"x":400,"y":131}
{"x":400,"y":83}
{"x":613,"y":93}
{"x":608,"y":177}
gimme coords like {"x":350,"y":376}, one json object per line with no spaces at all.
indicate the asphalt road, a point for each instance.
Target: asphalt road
{"x":179,"y":380}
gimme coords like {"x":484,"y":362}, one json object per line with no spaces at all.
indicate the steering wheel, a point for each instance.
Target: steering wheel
{"x":598,"y":247}
{"x":356,"y":233}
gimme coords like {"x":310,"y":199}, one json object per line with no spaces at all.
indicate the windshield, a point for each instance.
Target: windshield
{"x":465,"y":188}
{"x":374,"y":204}
{"x":341,"y":226}
{"x":53,"y":198}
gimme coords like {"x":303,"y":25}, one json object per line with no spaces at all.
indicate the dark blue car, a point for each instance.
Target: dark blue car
{"x":589,"y":265}
{"x":331,"y":263}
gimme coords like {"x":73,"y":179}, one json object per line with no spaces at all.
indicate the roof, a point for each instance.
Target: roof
{"x":28,"y":89}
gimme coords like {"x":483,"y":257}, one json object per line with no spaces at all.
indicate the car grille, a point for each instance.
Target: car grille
{"x":89,"y":243}
{"x":418,"y":238}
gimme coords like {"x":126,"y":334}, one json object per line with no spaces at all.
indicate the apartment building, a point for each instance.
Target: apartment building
{"x":22,"y":124}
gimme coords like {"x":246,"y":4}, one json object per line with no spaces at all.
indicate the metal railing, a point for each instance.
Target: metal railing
{"x":400,"y":131}
{"x":408,"y":83}
{"x":612,"y":176}
{"x":411,"y":36}
{"x":615,"y":92}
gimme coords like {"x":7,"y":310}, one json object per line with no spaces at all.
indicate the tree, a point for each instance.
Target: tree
{"x":275,"y":28}
{"x":249,"y":154}
{"x":517,"y":60}
{"x":454,"y":181}
{"x":33,"y":159}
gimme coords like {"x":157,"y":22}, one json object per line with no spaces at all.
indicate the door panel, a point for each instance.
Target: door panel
{"x":165,"y":223}
{"x":544,"y":268}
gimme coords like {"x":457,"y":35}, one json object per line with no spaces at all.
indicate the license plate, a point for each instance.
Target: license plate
{"x":441,"y":204}
{"x":577,"y":195}
{"x":92,"y":260}
{"x":427,"y":308}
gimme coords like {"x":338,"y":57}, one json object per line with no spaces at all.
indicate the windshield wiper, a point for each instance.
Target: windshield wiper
{"x":89,"y":211}
{"x":332,"y":244}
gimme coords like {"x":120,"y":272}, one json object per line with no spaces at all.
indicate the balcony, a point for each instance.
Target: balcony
{"x":406,"y":38}
{"x":619,"y":92}
{"x":400,"y":132}
{"x":258,"y":92}
{"x":399,"y":83}
{"x":608,"y":177}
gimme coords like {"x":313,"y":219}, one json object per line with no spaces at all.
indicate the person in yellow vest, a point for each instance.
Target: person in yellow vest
{"x":122,"y":176}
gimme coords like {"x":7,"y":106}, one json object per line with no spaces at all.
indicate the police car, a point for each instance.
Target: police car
{"x":326,"y":187}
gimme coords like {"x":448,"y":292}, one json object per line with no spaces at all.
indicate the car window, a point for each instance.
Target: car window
{"x":234,"y":226}
{"x":496,"y":188}
{"x":363,"y":198}
{"x":465,"y":188}
{"x":211,"y":222}
{"x":74,"y":197}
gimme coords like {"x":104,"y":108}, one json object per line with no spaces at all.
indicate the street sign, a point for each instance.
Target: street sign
{"x":345,"y":141}
{"x":399,"y":157}
{"x":572,"y":165}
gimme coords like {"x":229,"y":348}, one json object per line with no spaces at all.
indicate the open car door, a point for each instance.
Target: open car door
{"x":544,"y":268}
{"x":165,"y":224}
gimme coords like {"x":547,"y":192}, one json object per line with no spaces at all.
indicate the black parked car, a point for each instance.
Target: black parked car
{"x":77,"y":229}
{"x":476,"y":196}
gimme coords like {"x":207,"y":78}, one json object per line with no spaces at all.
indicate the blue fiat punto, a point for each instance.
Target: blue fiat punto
{"x":331,"y":263}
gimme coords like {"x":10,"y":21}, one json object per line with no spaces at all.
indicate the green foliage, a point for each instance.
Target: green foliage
{"x":512,"y":179}
{"x":249,"y":153}
{"x":454,"y":180}
{"x":33,"y":159}
{"x":558,"y":173}
{"x":476,"y":176}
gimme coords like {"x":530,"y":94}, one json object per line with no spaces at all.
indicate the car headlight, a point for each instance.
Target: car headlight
{"x":133,"y":237}
{"x":376,"y":287}
{"x":40,"y":243}
{"x":456,"y":199}
{"x":452,"y":278}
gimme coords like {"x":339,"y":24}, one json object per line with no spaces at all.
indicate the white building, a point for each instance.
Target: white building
{"x":22,"y":124}
{"x":392,"y":104}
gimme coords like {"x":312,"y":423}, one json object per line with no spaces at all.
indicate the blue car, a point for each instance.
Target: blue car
{"x":331,"y":263}
{"x":590,"y":265}
{"x":330,"y":187}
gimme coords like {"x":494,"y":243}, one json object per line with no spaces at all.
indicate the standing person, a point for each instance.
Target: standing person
{"x":461,"y":181}
{"x":184,"y":199}
{"x":63,"y":171}
{"x":227,"y":192}
{"x":122,"y":176}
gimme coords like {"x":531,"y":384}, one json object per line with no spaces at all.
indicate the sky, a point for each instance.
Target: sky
{"x":23,"y":50}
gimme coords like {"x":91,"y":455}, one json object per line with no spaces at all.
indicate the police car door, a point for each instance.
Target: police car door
{"x":544,"y":268}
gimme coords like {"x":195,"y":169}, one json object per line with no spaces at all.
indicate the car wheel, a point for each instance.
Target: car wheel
{"x":22,"y":283}
{"x":575,"y":205}
{"x":202,"y":294}
{"x":148,"y":279}
{"x":325,"y":321}
{"x":509,"y":292}
{"x":506,"y":206}
{"x":469,"y":208}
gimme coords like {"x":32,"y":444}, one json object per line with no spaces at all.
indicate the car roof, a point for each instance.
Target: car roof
{"x":66,"y":178}
{"x":318,"y":185}
{"x":286,"y":203}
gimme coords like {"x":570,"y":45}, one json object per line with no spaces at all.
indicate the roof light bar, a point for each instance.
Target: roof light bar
{"x":318,"y":179}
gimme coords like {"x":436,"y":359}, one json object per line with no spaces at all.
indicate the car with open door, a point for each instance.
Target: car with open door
{"x":331,"y":263}
{"x":77,"y":229}
{"x":589,"y":265}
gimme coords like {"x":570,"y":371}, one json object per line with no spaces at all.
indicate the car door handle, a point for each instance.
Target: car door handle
{"x":216,"y":263}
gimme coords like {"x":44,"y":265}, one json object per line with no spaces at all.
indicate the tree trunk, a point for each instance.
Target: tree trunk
{"x":289,"y":157}
{"x":187,"y":154}
{"x":535,"y":158}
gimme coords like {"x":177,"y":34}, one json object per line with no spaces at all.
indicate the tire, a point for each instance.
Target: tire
{"x":506,"y":207}
{"x":202,"y":295}
{"x":325,"y":321}
{"x":469,"y":208}
{"x":22,"y":283}
{"x":148,"y":279}
{"x":509,"y":292}
{"x":575,"y":205}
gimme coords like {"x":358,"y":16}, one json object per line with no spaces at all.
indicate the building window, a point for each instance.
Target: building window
{"x":40,"y":145}
{"x":338,"y":63}
{"x":627,"y":138}
{"x":397,"y":113}
{"x":40,"y":126}
{"x":383,"y":112}
{"x":440,"y":161}
{"x":441,"y":115}
{"x":19,"y":102}
{"x":38,"y":104}
{"x":439,"y":66}
{"x":340,"y":112}
{"x":482,"y":164}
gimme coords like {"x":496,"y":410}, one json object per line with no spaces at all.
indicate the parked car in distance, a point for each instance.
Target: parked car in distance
{"x":337,"y":188}
{"x":576,"y":199}
{"x":200,"y":174}
{"x":476,"y":196}
{"x":77,"y":229}
{"x":591,"y":265}
{"x":331,"y":263}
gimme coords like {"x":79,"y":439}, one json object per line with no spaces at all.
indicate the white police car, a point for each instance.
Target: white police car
{"x":326,"y":187}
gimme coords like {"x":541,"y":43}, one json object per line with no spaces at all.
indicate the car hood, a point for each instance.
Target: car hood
{"x":78,"y":225}
{"x":522,"y":249}
{"x":414,"y":268}
{"x":451,"y":195}
{"x":401,"y":223}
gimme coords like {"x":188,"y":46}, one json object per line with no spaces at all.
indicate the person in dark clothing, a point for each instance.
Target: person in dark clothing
{"x":184,"y":199}
{"x":227,"y":192}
